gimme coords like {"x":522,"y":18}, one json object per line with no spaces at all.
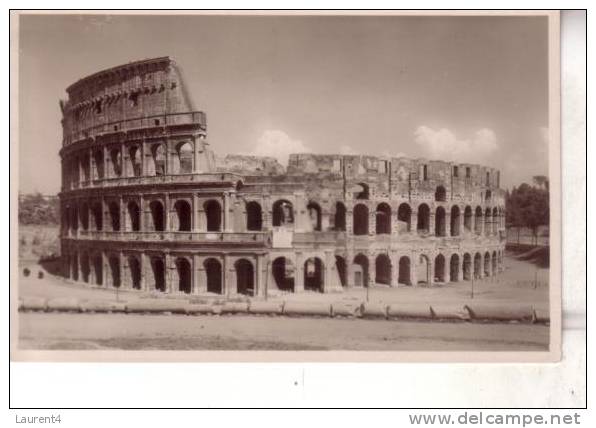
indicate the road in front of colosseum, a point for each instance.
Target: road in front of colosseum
{"x":180,"y":332}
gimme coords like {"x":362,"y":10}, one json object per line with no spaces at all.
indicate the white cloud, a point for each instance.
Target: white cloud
{"x":278,"y":144}
{"x":443,"y":144}
{"x":347,"y":150}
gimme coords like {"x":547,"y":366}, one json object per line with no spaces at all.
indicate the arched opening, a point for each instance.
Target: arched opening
{"x":214,"y":277}
{"x":487,"y":264}
{"x":85,"y":164}
{"x":254,"y":216}
{"x":213,"y":215}
{"x":360,"y":268}
{"x":74,"y":219}
{"x":495,"y":220}
{"x":487,"y":222}
{"x":467,"y":267}
{"x":360,"y":219}
{"x":283,"y":213}
{"x":477,"y":265}
{"x":487,"y":196}
{"x":134,"y":156}
{"x":383,"y":219}
{"x":74,"y":267}
{"x":455,"y":220}
{"x":494,"y":263}
{"x":184,"y":152}
{"x":468,"y":219}
{"x":440,"y":194}
{"x":342,"y":271}
{"x":183,"y":215}
{"x":423,"y":225}
{"x":134,"y":216}
{"x":98,"y":269}
{"x":115,"y":270}
{"x":135,"y":272}
{"x":99,"y":164}
{"x":157,"y":216}
{"x":423,"y":270}
{"x":184,"y":275}
{"x":440,"y":268}
{"x":404,"y":217}
{"x":454,"y":268}
{"x":383,"y":269}
{"x":85,"y":267}
{"x":440,"y":222}
{"x":478,"y":221}
{"x":403,"y":276}
{"x":114,"y":210}
{"x":158,"y":160}
{"x":314,"y":215}
{"x":245,"y":277}
{"x":84,"y":215}
{"x":97,"y":216}
{"x":340,"y":217}
{"x":116,"y":161}
{"x":313,"y":274}
{"x":362,"y":191}
{"x":159,"y":274}
{"x":283,"y":273}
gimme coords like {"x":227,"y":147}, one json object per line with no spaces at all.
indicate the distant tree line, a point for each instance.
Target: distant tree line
{"x":527,"y":206}
{"x":38,"y":209}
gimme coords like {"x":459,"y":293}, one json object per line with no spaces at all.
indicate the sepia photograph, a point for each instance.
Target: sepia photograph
{"x":328,"y":186}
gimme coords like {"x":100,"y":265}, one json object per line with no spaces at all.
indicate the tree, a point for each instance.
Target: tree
{"x":528,"y":206}
{"x":37,"y":209}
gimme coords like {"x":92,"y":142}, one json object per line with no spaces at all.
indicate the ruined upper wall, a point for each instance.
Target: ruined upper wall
{"x":249,"y":165}
{"x":137,"y":94}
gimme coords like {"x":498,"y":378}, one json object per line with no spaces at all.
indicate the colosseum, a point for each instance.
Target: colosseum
{"x":147,"y":205}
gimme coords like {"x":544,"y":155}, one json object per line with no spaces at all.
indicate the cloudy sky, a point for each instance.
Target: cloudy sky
{"x":471,"y":89}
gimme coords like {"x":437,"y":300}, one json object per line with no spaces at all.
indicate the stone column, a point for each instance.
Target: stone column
{"x":227,"y":206}
{"x":299,"y":277}
{"x":414,"y":259}
{"x":227,"y":286}
{"x":167,"y":212}
{"x":195,"y":213}
{"x":414,"y":222}
{"x":447,"y":223}
{"x":350,"y":269}
{"x":394,"y":257}
{"x":372,"y":221}
{"x":168,"y":273}
{"x":261,"y":272}
{"x":431,"y":223}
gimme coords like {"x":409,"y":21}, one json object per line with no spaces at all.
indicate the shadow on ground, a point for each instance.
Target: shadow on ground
{"x":537,"y":255}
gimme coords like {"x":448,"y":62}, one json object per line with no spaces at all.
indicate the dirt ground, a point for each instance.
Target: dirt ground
{"x":180,"y":332}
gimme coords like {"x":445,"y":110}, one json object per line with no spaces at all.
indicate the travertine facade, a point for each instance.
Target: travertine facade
{"x":147,"y":205}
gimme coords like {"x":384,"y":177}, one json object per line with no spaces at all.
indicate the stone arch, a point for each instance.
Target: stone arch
{"x":477,"y":266}
{"x":98,"y":269}
{"x":363,"y":192}
{"x":423,"y":270}
{"x":314,"y":215}
{"x":245,"y":277}
{"x":360,"y":269}
{"x":360,"y":226}
{"x":213,"y":215}
{"x":487,"y":221}
{"x":404,"y":217}
{"x":282,"y":270}
{"x":116,"y":162}
{"x":74,"y":266}
{"x":158,"y":268}
{"x":157,"y":216}
{"x":455,"y":220}
{"x":383,"y":269}
{"x":440,"y":223}
{"x":86,"y":166}
{"x":487,"y":264}
{"x":467,"y":265}
{"x":383,"y":219}
{"x":213,"y":272}
{"x":114,"y":263}
{"x":496,"y":218}
{"x":440,"y":194}
{"x":468,"y":218}
{"x":342,"y":270}
{"x":99,"y":164}
{"x":134,"y":216}
{"x":404,"y":274}
{"x":423,"y":225}
{"x":314,"y":274}
{"x":283,"y":213}
{"x":454,"y":268}
{"x":114,"y":211}
{"x":340,"y":216}
{"x":84,"y":215}
{"x":254,"y":216}
{"x":184,"y":271}
{"x":440,"y":268}
{"x":157,"y":164}
{"x":184,"y":158}
{"x":134,"y":267}
{"x":478,"y":221}
{"x":97,"y":212}
{"x":183,"y":215}
{"x":85,"y":267}
{"x":487,"y":196}
{"x":135,"y":161}
{"x":494,"y":263}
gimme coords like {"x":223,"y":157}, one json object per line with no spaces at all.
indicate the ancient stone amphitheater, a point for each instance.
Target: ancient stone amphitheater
{"x":147,"y":205}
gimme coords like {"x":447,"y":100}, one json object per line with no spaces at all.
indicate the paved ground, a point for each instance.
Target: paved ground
{"x":180,"y":332}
